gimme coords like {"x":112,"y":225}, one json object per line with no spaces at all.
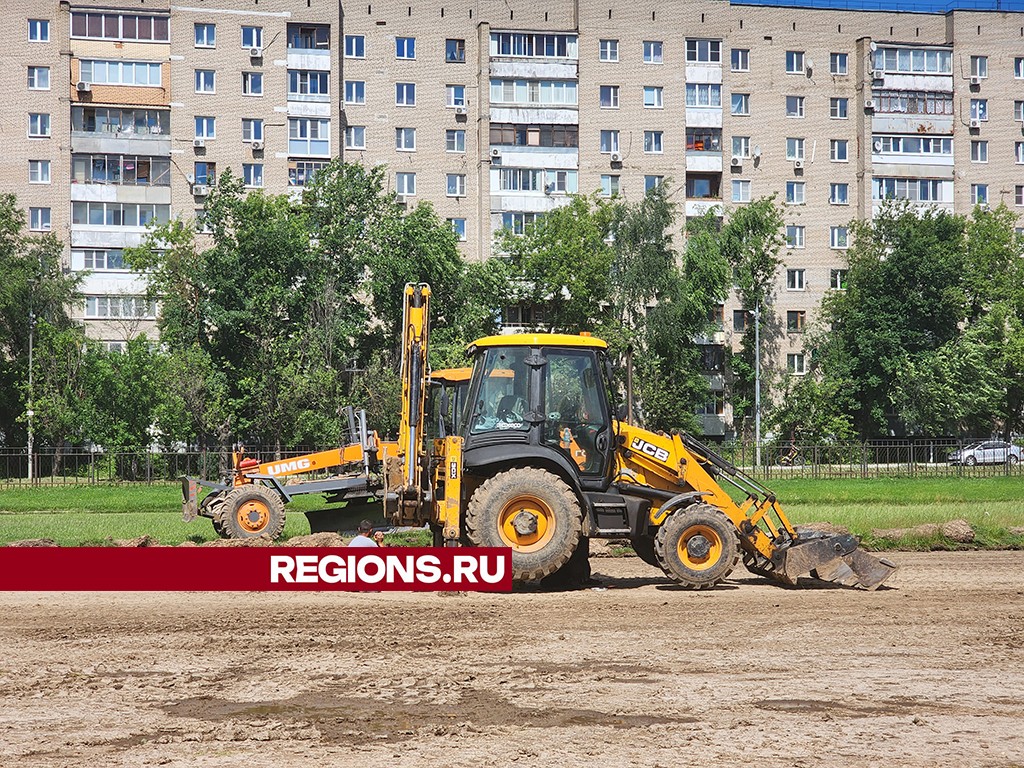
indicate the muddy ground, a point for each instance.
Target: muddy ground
{"x":927,"y":673}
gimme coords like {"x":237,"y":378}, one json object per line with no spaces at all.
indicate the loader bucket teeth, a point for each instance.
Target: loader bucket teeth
{"x":836,"y":559}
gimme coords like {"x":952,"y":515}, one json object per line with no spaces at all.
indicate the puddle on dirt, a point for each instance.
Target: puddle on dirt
{"x":351,"y":719}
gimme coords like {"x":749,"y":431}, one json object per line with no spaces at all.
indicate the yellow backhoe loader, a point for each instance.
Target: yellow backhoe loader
{"x":534,"y":459}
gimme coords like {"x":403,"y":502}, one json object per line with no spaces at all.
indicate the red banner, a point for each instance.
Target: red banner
{"x":243,"y":569}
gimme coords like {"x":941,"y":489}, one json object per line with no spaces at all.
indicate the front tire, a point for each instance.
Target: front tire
{"x":532,"y":511}
{"x":697,"y":547}
{"x":250,"y":511}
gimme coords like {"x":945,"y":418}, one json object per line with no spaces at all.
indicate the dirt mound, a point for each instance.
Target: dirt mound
{"x":140,"y":541}
{"x":259,"y":541}
{"x":322,"y":539}
{"x":829,"y":529}
{"x":33,"y":543}
{"x":959,"y":531}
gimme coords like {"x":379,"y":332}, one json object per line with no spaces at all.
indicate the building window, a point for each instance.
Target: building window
{"x":252,"y":129}
{"x":796,"y":320}
{"x":839,"y":194}
{"x":794,"y":62}
{"x":455,"y":141}
{"x":652,"y":182}
{"x":979,"y":66}
{"x":311,"y":85}
{"x":1018,"y":67}
{"x":839,"y":108}
{"x":459,"y":228}
{"x":456,"y":185}
{"x":1018,"y":111}
{"x":795,"y":192}
{"x":913,"y":145}
{"x":204,"y":173}
{"x":839,"y":150}
{"x":979,"y":151}
{"x":455,"y":95}
{"x":38,"y":125}
{"x":704,"y":140}
{"x":301,"y":172}
{"x":39,"y":219}
{"x":915,"y":190}
{"x":119,"y":214}
{"x":609,"y":185}
{"x":794,"y":149}
{"x":309,"y":136}
{"x":38,"y":31}
{"x":405,"y":94}
{"x":252,"y":83}
{"x":609,"y":50}
{"x":740,"y":104}
{"x":739,"y":320}
{"x":252,"y":174}
{"x":564,"y":182}
{"x":534,"y":45}
{"x":355,"y":47}
{"x":653,"y":97}
{"x":652,"y":52}
{"x":795,"y":280}
{"x":206,"y":35}
{"x":741,"y":146}
{"x":913,"y":102}
{"x":839,"y":64}
{"x":554,"y":92}
{"x":703,"y":187}
{"x":837,"y":279}
{"x":455,"y":51}
{"x":979,"y":194}
{"x":38,"y":171}
{"x":1018,"y":152}
{"x":120,"y":26}
{"x":703,"y":95}
{"x":405,"y":139}
{"x":795,"y":364}
{"x":39,"y":78}
{"x":252,"y":37}
{"x":135,"y":307}
{"x":309,"y":37}
{"x":129,"y":170}
{"x":795,"y":237}
{"x":405,"y":183}
{"x":355,"y":92}
{"x":405,"y":47}
{"x":520,"y":135}
{"x":355,"y":137}
{"x":609,"y":142}
{"x":839,"y":237}
{"x":609,"y":97}
{"x":740,"y":59}
{"x":118,"y":72}
{"x":653,"y":142}
{"x":1018,"y":194}
{"x":740,"y":191}
{"x":517,"y":223}
{"x":794,"y":106}
{"x":206,"y":127}
{"x":703,"y":51}
{"x":979,"y":109}
{"x":914,"y":61}
{"x":100,"y":260}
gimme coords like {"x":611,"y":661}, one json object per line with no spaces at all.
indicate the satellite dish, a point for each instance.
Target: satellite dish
{"x":191,"y":178}
{"x":873,"y":46}
{"x":757,"y":150}
{"x":878,"y":145}
{"x":810,"y":65}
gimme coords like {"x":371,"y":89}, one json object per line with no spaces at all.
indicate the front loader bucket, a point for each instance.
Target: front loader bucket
{"x":838,"y":559}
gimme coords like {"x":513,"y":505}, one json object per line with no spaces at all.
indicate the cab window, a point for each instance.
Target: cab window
{"x":501,"y":401}
{"x":573,"y":408}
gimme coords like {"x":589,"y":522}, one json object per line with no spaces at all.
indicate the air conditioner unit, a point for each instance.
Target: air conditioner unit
{"x":200,"y":190}
{"x":975,"y":122}
{"x":737,"y":161}
{"x":198,"y":143}
{"x":616,"y":157}
{"x":495,"y":152}
{"x":878,"y":74}
{"x":798,"y":164}
{"x":975,"y":80}
{"x":255,"y":53}
{"x":83,"y":87}
{"x":401,"y":199}
{"x":869,"y":104}
{"x":257,"y":146}
{"x":460,"y":110}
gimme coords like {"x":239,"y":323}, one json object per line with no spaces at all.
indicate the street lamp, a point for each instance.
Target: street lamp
{"x":757,"y":385}
{"x":29,"y":413}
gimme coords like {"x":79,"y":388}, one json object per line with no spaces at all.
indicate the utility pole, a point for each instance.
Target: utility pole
{"x":757,"y":384}
{"x":29,"y":413}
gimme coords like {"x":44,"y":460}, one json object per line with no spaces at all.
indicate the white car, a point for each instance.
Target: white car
{"x":987,"y":452}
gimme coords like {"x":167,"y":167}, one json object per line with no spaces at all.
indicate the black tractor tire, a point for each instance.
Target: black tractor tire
{"x":575,"y":574}
{"x":530,"y":510}
{"x":250,"y":511}
{"x":697,"y":547}
{"x":644,"y":548}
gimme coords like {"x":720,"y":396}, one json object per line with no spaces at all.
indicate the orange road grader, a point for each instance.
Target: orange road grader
{"x":525,"y":451}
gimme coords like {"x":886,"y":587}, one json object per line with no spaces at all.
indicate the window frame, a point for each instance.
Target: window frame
{"x":358,"y":42}
{"x":834,"y":60}
{"x":654,"y":52}
{"x":796,"y":279}
{"x":405,"y":48}
{"x":350,"y":135}
{"x":796,"y":59}
{"x":42,"y":30}
{"x":611,"y":49}
{"x":739,"y":60}
{"x":404,"y":90}
{"x":209,"y":40}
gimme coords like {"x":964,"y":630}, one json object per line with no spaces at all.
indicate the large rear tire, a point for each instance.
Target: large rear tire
{"x":532,"y":511}
{"x":697,"y":547}
{"x":250,"y":511}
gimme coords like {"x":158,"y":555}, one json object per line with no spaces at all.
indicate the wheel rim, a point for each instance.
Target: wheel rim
{"x":253,"y":516}
{"x":526,"y":523}
{"x":700,"y":547}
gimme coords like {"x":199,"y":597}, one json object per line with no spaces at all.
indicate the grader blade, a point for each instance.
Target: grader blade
{"x":836,"y":559}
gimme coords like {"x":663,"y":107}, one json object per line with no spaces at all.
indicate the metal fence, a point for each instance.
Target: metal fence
{"x":895,"y":458}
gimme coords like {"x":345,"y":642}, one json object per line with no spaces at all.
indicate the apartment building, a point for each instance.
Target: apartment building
{"x":124,"y":112}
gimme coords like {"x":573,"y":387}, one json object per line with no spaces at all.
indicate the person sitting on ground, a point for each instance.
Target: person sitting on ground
{"x":363,"y":538}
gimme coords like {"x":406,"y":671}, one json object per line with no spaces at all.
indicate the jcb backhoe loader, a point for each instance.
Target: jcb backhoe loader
{"x":535,"y":460}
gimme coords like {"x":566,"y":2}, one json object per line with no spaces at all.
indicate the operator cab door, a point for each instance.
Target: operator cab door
{"x":577,"y":422}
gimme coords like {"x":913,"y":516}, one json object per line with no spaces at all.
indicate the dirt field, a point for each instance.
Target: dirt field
{"x":927,"y":673}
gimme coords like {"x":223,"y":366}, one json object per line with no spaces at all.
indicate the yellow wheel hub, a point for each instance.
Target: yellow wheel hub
{"x":253,"y":516}
{"x":700,"y":547}
{"x":526,"y":523}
